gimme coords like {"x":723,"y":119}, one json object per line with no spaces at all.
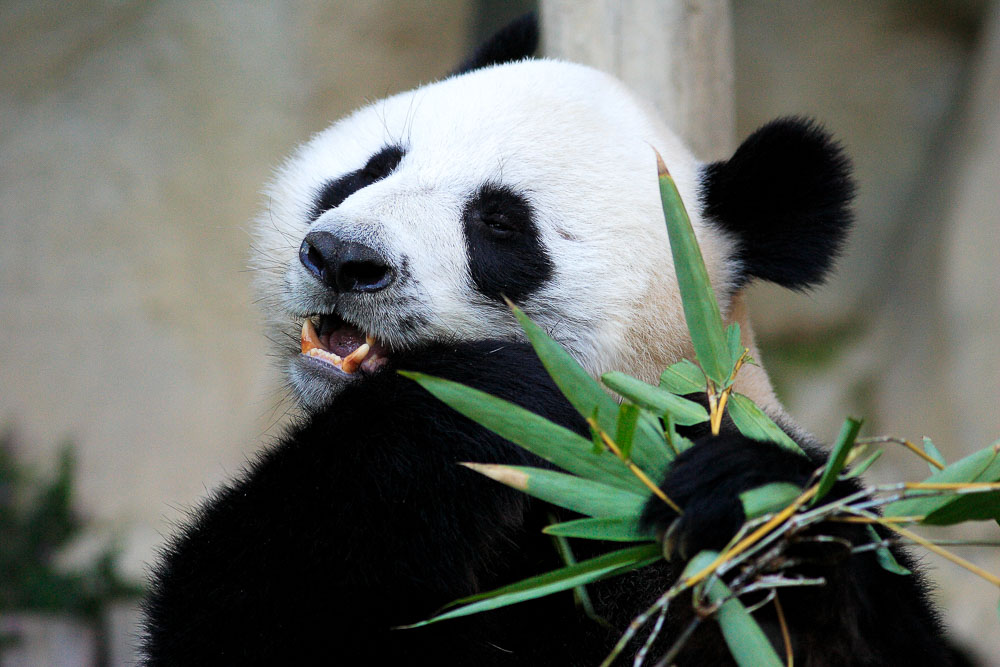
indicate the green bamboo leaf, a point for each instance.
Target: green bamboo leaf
{"x":683,"y":378}
{"x":884,"y":555}
{"x":734,"y":344}
{"x":835,"y":463}
{"x":701,"y":310}
{"x":574,"y":493}
{"x":747,"y":643}
{"x":614,"y":529}
{"x":628,"y":417}
{"x":768,"y":498}
{"x":655,"y":399}
{"x":677,"y":442}
{"x":552,"y":442}
{"x":649,"y":451}
{"x":983,"y":506}
{"x":595,"y":437}
{"x":933,"y":452}
{"x":981,"y":466}
{"x":602,"y":567}
{"x":753,"y":423}
{"x":859,"y":469}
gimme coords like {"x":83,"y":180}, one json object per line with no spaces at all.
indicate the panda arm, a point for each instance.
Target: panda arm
{"x":359,"y":520}
{"x":863,"y":615}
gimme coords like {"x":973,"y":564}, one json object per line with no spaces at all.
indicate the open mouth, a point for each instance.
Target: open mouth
{"x":343,"y":346}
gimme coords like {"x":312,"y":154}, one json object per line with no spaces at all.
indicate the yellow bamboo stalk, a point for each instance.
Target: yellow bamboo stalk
{"x":944,"y":553}
{"x":636,"y":470}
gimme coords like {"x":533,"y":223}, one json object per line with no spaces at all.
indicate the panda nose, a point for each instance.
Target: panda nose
{"x":346,"y":266}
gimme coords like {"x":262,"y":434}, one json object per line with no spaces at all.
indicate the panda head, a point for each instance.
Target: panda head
{"x":412,"y":220}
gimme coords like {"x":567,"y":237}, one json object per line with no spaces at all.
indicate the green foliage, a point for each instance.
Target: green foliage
{"x":754,"y":423}
{"x":835,"y":463}
{"x":684,"y":377}
{"x":657,"y":400}
{"x":601,"y":567}
{"x":701,"y":310}
{"x":982,"y":466}
{"x":614,"y":529}
{"x":768,"y":499}
{"x":36,"y":521}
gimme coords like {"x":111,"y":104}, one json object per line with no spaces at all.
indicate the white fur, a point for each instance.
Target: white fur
{"x":572,"y":140}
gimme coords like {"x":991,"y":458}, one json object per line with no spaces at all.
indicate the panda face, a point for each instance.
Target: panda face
{"x":410,"y":221}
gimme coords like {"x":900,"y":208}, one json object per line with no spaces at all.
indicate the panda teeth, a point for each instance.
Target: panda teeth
{"x":312,"y":346}
{"x":325,"y":356}
{"x":353,"y":360}
{"x":310,"y":337}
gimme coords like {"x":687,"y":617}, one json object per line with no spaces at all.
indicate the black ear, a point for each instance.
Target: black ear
{"x":515,"y":41}
{"x":786,"y":195}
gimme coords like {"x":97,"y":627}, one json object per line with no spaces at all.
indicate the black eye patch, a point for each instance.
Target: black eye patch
{"x":333,"y":193}
{"x":506,"y":255}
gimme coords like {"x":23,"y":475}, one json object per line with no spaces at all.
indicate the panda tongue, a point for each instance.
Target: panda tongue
{"x":342,"y":340}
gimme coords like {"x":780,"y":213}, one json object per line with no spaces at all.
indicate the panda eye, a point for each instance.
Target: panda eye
{"x":499,"y":223}
{"x":499,"y":212}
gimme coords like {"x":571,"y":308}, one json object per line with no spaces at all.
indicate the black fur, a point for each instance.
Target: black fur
{"x":785,"y":194}
{"x":506,"y":256}
{"x":360,"y":520}
{"x":333,"y":193}
{"x":515,"y":41}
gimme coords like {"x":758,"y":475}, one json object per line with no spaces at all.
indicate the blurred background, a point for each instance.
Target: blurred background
{"x":134,"y":138}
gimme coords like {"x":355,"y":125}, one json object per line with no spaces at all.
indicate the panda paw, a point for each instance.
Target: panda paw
{"x":706,"y":481}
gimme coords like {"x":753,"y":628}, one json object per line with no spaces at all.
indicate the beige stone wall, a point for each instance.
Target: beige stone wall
{"x":134,"y":137}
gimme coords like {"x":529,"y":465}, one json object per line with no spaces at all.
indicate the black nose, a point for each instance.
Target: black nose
{"x":345,"y":266}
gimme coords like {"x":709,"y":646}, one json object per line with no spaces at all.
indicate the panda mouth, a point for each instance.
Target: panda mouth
{"x":342,"y":346}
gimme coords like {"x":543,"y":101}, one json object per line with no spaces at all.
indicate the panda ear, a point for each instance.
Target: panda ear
{"x":786,"y":196}
{"x":515,"y":41}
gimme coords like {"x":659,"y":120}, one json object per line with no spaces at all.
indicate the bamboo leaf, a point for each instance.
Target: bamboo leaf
{"x":677,"y":442}
{"x":983,"y":506}
{"x":701,"y":310}
{"x":733,"y":343}
{"x":608,"y":565}
{"x":933,"y":452}
{"x":655,"y":399}
{"x":884,"y":555}
{"x":859,"y":469}
{"x":747,"y":643}
{"x":981,"y":466}
{"x":835,"y":463}
{"x":649,"y":451}
{"x":614,"y":529}
{"x":628,"y":417}
{"x":683,"y":378}
{"x":768,"y":498}
{"x":552,"y":442}
{"x":574,"y":493}
{"x":753,"y":423}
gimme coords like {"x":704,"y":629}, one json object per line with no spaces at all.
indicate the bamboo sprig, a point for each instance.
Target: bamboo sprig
{"x":944,"y":553}
{"x":886,"y":439}
{"x":616,"y":450}
{"x":717,"y":404}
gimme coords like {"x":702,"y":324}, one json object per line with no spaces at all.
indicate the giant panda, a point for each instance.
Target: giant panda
{"x":391,"y":241}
